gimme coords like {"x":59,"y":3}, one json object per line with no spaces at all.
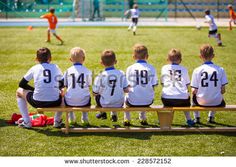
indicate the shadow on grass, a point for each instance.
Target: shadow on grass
{"x":3,"y":123}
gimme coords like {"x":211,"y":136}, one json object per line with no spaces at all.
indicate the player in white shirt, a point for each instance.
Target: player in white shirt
{"x":142,"y":79}
{"x":212,"y":27}
{"x":77,"y":80}
{"x":175,"y":81}
{"x":46,"y":91}
{"x":208,"y":83}
{"x":134,"y":16}
{"x":110,"y":85}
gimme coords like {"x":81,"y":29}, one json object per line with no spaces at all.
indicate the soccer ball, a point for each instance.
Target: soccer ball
{"x":198,"y":27}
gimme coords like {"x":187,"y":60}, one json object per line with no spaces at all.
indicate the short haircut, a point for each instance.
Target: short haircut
{"x":135,"y":6}
{"x":206,"y":51}
{"x":140,"y":51}
{"x":207,"y":11}
{"x":108,"y":57}
{"x":174,"y":55}
{"x":230,"y":6}
{"x":43,"y":55}
{"x":52,"y":10}
{"x":77,"y":53}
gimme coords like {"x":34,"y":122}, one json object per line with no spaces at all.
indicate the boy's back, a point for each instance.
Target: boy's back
{"x":52,"y":20}
{"x":77,"y":79}
{"x":175,"y":79}
{"x":110,"y":84}
{"x":141,"y":78}
{"x":46,"y":80}
{"x":208,"y":79}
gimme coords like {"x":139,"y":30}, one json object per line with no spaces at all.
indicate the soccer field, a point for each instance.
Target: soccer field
{"x":17,"y":53}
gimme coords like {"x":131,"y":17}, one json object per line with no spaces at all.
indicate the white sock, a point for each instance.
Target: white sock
{"x":114,"y":113}
{"x":211,"y":114}
{"x":142,"y":115}
{"x":130,"y":26}
{"x":187,"y":115}
{"x":23,"y":109}
{"x":57,"y":117}
{"x":72,"y":116}
{"x":127,"y":116}
{"x":216,"y":37}
{"x":196,"y":114}
{"x":134,"y":28}
{"x":84,"y":116}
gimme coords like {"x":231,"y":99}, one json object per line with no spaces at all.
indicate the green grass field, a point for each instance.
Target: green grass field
{"x":17,"y":53}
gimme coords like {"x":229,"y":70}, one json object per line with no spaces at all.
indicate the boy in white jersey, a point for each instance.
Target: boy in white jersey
{"x":141,"y":78}
{"x":175,"y":81}
{"x":208,"y":84}
{"x":110,"y":85}
{"x":134,"y":16}
{"x":46,"y":92}
{"x":212,"y":27}
{"x":77,"y":80}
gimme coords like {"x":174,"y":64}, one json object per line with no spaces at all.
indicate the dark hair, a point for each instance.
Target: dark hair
{"x":207,"y":11}
{"x":206,"y":51}
{"x":108,"y":57}
{"x":43,"y":55}
{"x":174,"y":55}
{"x":51,"y":10}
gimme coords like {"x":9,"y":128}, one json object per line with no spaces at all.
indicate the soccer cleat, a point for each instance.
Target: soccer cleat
{"x":197,"y":120}
{"x":102,"y":115}
{"x":211,"y":120}
{"x":143,"y":122}
{"x":58,"y":124}
{"x":126,"y":123}
{"x":73,"y":124}
{"x":114,"y":118}
{"x":62,"y":42}
{"x":220,"y":44}
{"x":85,"y":122}
{"x":134,"y":33}
{"x":27,"y":125}
{"x":190,"y":122}
{"x":47,"y":41}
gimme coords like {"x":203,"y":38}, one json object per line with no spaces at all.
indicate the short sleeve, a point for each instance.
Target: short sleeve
{"x":29,"y":75}
{"x":154,"y":79}
{"x":224,"y":80}
{"x":89,"y":78}
{"x":65,"y":77}
{"x":97,"y":84}
{"x":124,"y":81}
{"x":186,"y":77}
{"x":194,"y":82}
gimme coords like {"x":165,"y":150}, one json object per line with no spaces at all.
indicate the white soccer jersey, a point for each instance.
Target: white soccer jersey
{"x":134,"y":13}
{"x":110,"y":84}
{"x":77,"y":79}
{"x":141,"y":77}
{"x":46,"y":81}
{"x":175,"y":81}
{"x":208,"y":79}
{"x":211,"y":22}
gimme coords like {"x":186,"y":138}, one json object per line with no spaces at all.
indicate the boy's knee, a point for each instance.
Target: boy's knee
{"x":19,"y":92}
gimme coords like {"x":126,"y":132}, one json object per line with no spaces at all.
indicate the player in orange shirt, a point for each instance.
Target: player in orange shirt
{"x":232,"y":16}
{"x":52,"y":20}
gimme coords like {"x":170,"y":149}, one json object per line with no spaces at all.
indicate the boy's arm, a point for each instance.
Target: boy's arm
{"x":24,"y":84}
{"x":194,"y":91}
{"x":96,"y":86}
{"x":223,"y":89}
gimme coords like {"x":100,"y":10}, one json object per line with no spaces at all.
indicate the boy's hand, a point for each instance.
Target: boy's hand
{"x":126,"y":90}
{"x":194,"y":91}
{"x":222,"y":89}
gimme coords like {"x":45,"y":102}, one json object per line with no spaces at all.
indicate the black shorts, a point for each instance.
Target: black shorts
{"x":131,"y":105}
{"x":176,"y":102}
{"x":135,"y":21}
{"x":86,"y":105}
{"x":213,"y":32}
{"x":42,"y":104}
{"x":222,"y":104}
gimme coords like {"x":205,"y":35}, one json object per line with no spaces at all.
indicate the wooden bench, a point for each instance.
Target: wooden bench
{"x":165,"y":116}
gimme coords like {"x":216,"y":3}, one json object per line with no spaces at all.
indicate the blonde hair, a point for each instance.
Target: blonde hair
{"x":77,"y":54}
{"x":206,"y":51}
{"x":140,"y":51}
{"x":174,"y":55}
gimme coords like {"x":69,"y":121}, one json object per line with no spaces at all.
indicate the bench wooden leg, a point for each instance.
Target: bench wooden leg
{"x":67,"y":123}
{"x":165,"y":119}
